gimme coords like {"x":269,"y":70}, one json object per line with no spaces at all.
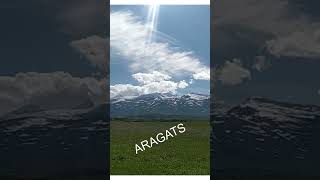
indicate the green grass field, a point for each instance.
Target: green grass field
{"x":185,"y":154}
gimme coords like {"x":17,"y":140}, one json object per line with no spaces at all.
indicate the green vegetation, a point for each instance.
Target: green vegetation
{"x":184,"y":154}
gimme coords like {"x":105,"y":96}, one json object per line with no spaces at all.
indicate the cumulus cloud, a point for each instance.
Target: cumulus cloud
{"x":125,"y":90}
{"x":94,"y":48}
{"x":202,"y":75}
{"x":129,"y":37}
{"x":154,"y":82}
{"x":183,"y":84}
{"x":49,"y":90}
{"x":233,"y":73}
{"x":154,"y":87}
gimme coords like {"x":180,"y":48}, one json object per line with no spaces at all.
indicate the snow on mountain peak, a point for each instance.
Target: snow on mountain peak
{"x":196,"y":96}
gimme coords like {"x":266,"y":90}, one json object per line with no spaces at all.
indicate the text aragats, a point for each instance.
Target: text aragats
{"x":160,"y":138}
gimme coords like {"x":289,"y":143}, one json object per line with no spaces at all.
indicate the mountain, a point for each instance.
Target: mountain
{"x":160,"y":105}
{"x":268,"y":134}
{"x":55,"y":141}
{"x":258,"y":136}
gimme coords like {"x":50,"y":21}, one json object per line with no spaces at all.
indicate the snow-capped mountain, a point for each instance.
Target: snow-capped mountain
{"x":54,"y":140}
{"x":262,"y":130}
{"x":159,"y":104}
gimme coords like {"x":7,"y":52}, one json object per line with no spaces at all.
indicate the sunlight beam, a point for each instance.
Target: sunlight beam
{"x":152,"y":21}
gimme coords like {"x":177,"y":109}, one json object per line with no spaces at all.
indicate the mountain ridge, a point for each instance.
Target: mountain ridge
{"x":192,"y":104}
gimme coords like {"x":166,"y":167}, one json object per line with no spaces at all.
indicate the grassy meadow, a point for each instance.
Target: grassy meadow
{"x":185,"y":154}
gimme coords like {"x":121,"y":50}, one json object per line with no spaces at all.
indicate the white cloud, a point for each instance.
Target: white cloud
{"x":233,"y":73}
{"x":202,"y":75}
{"x":146,"y":78}
{"x":129,"y":37}
{"x":153,"y":87}
{"x":148,"y":83}
{"x":125,"y":90}
{"x":49,"y":90}
{"x":183,"y":84}
{"x":93,"y":48}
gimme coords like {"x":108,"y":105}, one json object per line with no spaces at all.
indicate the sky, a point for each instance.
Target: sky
{"x":266,"y":48}
{"x":36,"y":35}
{"x":171,"y":55}
{"x":52,"y":53}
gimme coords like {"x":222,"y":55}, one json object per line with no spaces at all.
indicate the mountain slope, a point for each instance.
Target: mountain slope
{"x":263,"y":133}
{"x":193,"y":105}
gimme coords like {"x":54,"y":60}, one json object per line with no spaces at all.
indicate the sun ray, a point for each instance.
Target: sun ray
{"x":152,"y":21}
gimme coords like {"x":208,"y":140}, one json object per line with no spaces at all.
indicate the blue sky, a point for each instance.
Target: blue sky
{"x":185,"y":33}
